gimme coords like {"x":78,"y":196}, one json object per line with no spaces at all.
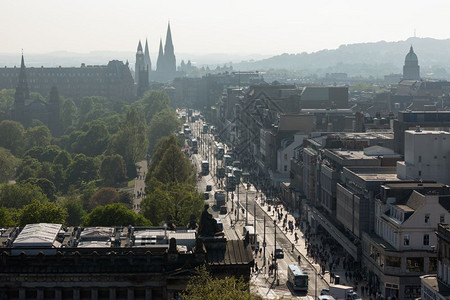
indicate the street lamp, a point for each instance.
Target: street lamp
{"x":275,"y":251}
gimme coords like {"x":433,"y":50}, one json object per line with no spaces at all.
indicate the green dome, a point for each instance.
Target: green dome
{"x":411,"y":57}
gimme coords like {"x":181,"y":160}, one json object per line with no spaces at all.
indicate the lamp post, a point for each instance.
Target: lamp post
{"x":275,"y":250}
{"x":264,"y":241}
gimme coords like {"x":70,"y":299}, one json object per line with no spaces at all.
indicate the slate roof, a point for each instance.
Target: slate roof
{"x":234,"y":253}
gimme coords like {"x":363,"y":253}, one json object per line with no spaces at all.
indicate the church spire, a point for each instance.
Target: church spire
{"x":22,"y":94}
{"x":159,"y":63}
{"x":23,"y":83}
{"x":148,"y":62}
{"x":139,"y":46}
{"x":168,"y":47}
{"x":22,"y":86}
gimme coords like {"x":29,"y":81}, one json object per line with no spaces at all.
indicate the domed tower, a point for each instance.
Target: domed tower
{"x":411,"y":69}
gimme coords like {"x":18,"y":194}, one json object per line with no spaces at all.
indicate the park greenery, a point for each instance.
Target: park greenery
{"x":205,"y":287}
{"x":80,"y":177}
{"x":172,"y":196}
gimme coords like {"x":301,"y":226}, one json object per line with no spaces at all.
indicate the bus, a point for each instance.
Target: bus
{"x":231,"y":182}
{"x":297,"y":278}
{"x":228,"y":160}
{"x":205,"y":167}
{"x":220,"y":152}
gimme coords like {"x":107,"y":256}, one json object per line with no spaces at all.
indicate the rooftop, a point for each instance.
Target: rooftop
{"x":375,"y":173}
{"x":38,"y":235}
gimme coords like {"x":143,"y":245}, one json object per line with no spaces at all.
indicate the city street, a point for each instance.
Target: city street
{"x":242,"y":209}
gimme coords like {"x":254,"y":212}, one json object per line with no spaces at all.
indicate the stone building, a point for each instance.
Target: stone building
{"x":49,"y":261}
{"x":25,"y":109}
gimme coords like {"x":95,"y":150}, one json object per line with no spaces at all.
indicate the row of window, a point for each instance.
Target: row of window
{"x":407,"y":240}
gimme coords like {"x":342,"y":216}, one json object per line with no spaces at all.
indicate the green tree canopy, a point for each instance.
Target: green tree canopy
{"x":8,"y":164}
{"x":115,"y":214}
{"x":177,"y":200}
{"x":75,"y":211}
{"x":19,"y":195}
{"x":29,"y":167}
{"x":38,"y":136}
{"x":6,"y":101}
{"x":6,"y":219}
{"x":103,"y":196}
{"x":82,"y":169}
{"x":63,"y":158}
{"x":93,"y":142}
{"x":161,"y":147}
{"x":69,"y":113}
{"x":42,"y":212}
{"x":131,"y":140}
{"x":153,"y":102}
{"x":47,"y":187}
{"x":175,"y":167}
{"x":113,"y":170}
{"x":205,"y":287}
{"x":162,"y":124}
{"x":12,"y":136}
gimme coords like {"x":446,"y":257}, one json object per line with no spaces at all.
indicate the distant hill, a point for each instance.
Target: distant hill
{"x":363,"y":59}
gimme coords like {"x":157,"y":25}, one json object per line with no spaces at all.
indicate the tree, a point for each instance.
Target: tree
{"x":50,"y":153}
{"x":6,"y":101}
{"x":82,"y":169}
{"x":8,"y":164}
{"x":42,"y":212}
{"x":19,"y":195}
{"x":29,"y":167}
{"x":162,"y":124}
{"x":103,"y":196}
{"x":12,"y":136}
{"x":161,"y":147}
{"x":153,"y":102}
{"x":69,"y":113}
{"x":75,"y":211}
{"x":131,"y":140}
{"x":205,"y":287}
{"x":94,"y":141}
{"x":115,"y":214}
{"x":63,"y":158}
{"x":38,"y":136}
{"x":47,"y":187}
{"x":155,"y":206}
{"x":6,"y":219}
{"x":178,"y":200}
{"x":113,"y":170}
{"x":175,"y":167}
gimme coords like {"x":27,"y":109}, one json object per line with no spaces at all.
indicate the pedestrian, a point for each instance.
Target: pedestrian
{"x":293,"y":247}
{"x":299,"y":258}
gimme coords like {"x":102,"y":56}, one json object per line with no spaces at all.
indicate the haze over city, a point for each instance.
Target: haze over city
{"x":203,"y":27}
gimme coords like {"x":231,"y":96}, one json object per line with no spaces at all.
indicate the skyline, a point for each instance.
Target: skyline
{"x":204,"y":27}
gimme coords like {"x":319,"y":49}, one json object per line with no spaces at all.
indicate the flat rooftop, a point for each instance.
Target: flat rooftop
{"x":375,"y":173}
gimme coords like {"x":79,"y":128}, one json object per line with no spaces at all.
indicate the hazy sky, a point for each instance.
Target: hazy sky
{"x":215,"y":26}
